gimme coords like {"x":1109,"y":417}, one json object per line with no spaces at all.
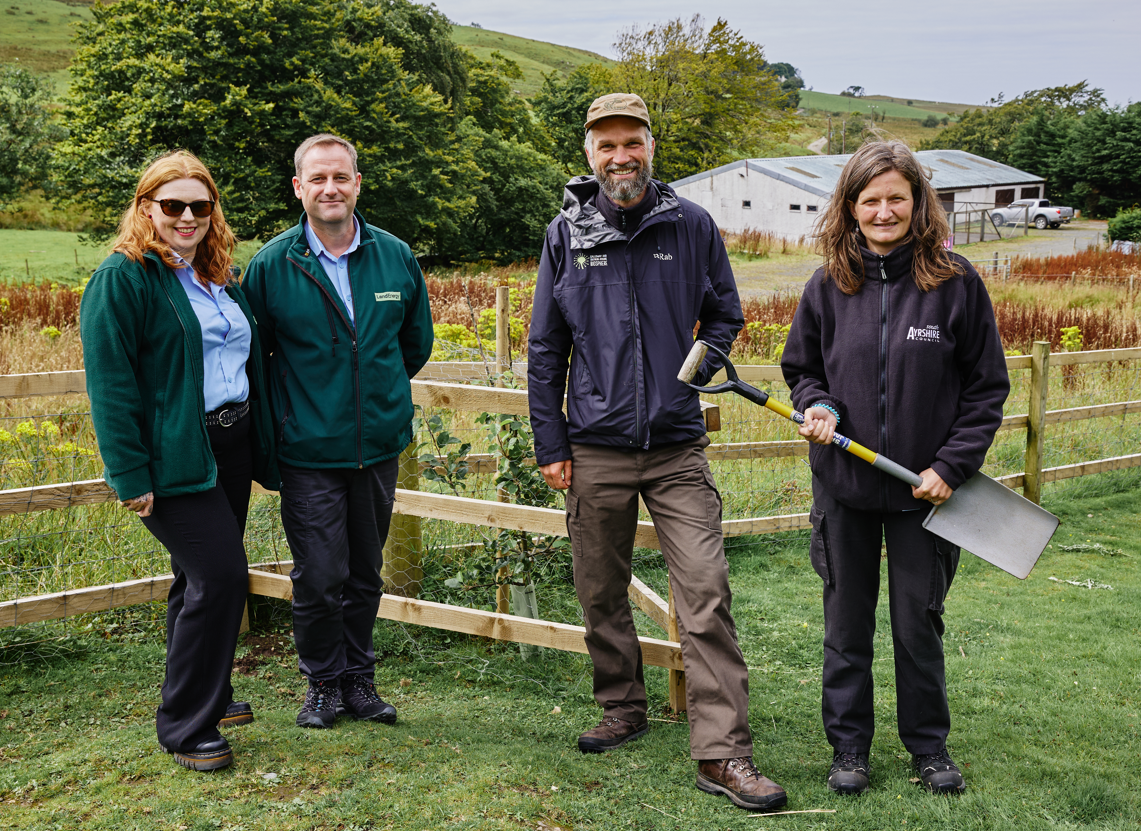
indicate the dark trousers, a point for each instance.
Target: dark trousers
{"x":602,"y":517}
{"x":845,"y":551}
{"x":203,"y":533}
{"x":336,"y":521}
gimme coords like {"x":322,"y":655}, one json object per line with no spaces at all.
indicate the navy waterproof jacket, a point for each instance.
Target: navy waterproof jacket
{"x":917,"y":376}
{"x":622,"y":310}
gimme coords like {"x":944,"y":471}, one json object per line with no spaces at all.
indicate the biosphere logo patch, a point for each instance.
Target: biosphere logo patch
{"x":581,"y":261}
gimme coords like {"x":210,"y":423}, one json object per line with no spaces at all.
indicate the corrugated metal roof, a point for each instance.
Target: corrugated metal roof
{"x":951,"y":170}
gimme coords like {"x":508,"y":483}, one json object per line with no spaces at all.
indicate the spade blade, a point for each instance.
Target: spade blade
{"x":993,"y":522}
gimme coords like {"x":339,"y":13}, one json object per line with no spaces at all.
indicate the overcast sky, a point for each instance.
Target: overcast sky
{"x":960,"y":52}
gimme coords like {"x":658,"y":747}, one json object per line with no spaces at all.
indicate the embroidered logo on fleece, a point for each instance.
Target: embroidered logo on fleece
{"x":581,"y":261}
{"x":387,"y":295}
{"x":930,"y":333}
{"x":660,"y":256}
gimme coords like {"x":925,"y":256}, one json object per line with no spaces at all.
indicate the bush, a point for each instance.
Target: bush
{"x":931,"y":121}
{"x":1126,"y":226}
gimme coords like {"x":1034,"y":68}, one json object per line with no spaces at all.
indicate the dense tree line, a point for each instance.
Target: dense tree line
{"x":454,"y":161}
{"x":1089,"y":152}
{"x":27,"y":132}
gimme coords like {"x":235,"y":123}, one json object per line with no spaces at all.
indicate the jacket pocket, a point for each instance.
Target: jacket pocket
{"x":943,"y":567}
{"x":572,"y":524}
{"x":819,"y":551}
{"x":285,"y":408}
{"x":582,"y":385}
{"x":713,"y":504}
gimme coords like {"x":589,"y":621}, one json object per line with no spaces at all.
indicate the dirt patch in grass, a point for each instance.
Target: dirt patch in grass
{"x":262,"y":649}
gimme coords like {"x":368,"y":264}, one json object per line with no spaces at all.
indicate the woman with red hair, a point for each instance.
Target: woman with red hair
{"x":175,"y":380}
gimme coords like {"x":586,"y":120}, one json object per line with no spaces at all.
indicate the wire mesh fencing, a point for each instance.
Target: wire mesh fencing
{"x":474,"y":528}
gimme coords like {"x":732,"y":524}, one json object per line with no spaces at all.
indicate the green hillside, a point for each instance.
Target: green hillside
{"x":894,"y":107}
{"x":37,"y":34}
{"x":534,"y":57}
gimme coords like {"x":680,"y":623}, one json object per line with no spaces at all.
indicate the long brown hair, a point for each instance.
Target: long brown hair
{"x":214,"y":255}
{"x":838,"y":234}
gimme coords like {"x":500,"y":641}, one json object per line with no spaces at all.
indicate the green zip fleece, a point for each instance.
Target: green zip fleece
{"x":142,"y":351}
{"x":341,"y":393}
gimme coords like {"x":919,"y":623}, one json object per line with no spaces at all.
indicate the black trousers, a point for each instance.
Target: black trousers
{"x":336,"y":521}
{"x":845,"y":552}
{"x":203,"y":533}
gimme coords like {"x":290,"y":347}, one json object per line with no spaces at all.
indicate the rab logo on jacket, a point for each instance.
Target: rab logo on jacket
{"x":661,"y":256}
{"x":581,"y":261}
{"x":929,"y":334}
{"x":387,"y":295}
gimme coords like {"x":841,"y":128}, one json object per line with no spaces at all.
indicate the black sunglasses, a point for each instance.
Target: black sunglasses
{"x":174,"y":207}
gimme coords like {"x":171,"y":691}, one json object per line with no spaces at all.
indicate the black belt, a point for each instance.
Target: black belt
{"x":227,"y":415}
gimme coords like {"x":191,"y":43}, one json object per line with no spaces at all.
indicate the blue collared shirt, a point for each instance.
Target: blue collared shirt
{"x":226,"y":338}
{"x":337,"y":269}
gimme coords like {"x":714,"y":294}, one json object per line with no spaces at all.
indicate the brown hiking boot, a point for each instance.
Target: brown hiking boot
{"x":740,"y":780}
{"x":610,"y":733}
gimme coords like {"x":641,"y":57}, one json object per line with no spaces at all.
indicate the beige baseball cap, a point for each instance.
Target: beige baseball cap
{"x":617,"y":103}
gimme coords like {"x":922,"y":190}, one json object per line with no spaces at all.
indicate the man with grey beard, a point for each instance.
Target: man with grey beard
{"x":628,"y":270}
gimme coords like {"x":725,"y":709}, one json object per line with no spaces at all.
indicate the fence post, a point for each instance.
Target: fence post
{"x":403,"y":572}
{"x":1036,"y":429}
{"x":502,"y":331}
{"x":502,"y":364}
{"x":677,"y":676}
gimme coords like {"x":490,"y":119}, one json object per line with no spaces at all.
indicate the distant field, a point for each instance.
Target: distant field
{"x":534,"y":57}
{"x":897,"y":107}
{"x":37,"y":34}
{"x":46,"y":257}
{"x":60,"y":256}
{"x":941,"y":107}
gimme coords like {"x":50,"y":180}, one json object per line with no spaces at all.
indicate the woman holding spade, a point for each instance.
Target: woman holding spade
{"x":895,"y":339}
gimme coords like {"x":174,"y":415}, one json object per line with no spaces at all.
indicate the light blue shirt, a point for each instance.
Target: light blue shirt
{"x":337,"y":268}
{"x":226,"y":338}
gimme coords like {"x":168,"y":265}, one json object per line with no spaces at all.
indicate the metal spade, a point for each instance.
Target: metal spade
{"x":982,"y":516}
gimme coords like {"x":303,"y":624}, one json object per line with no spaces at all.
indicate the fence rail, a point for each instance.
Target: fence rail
{"x":267,"y":580}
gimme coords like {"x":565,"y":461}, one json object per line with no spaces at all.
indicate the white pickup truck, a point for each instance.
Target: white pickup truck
{"x":1037,"y":212}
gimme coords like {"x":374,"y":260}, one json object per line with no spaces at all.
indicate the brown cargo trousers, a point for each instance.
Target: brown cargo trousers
{"x":602,"y":514}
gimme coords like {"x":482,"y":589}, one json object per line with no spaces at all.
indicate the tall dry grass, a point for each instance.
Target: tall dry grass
{"x":756,"y":243}
{"x":1101,"y":328}
{"x":1093,"y":263}
{"x":25,"y":347}
{"x":39,"y":305}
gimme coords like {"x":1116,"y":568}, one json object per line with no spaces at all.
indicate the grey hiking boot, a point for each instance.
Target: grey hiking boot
{"x":359,"y":700}
{"x":320,"y":708}
{"x":938,"y":772}
{"x":849,"y":773}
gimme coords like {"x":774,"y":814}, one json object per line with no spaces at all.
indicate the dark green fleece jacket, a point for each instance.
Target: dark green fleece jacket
{"x":142,"y":352}
{"x":341,"y":392}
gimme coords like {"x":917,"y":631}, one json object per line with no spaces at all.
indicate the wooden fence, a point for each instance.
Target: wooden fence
{"x":269,"y":579}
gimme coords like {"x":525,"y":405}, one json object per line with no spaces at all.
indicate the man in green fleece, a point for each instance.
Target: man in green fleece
{"x":343,"y":310}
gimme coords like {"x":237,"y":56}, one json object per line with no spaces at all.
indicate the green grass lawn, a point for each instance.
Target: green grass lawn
{"x":1043,"y":677}
{"x":63,"y":256}
{"x":46,"y":257}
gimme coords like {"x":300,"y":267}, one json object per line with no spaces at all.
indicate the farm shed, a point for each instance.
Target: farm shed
{"x":786,"y":195}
